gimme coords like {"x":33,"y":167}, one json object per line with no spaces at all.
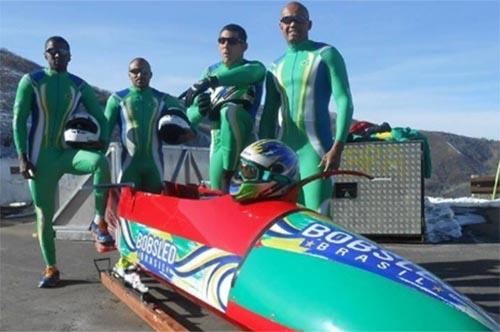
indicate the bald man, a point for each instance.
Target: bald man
{"x":137,"y":110}
{"x":300,"y":84}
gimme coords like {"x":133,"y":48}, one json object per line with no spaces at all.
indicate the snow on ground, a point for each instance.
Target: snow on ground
{"x":444,"y":217}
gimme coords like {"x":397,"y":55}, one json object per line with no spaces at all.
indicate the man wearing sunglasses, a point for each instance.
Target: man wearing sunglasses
{"x":235,"y":91}
{"x":50,"y":96}
{"x":138,"y":110}
{"x":300,"y":83}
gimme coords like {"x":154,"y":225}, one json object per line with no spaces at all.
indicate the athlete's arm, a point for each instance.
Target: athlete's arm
{"x":111,"y":114}
{"x":94,"y":108}
{"x":341,"y":91}
{"x":269,"y":117}
{"x":195,"y":113}
{"x":342,"y":95}
{"x":22,"y":108}
{"x":246,"y":74}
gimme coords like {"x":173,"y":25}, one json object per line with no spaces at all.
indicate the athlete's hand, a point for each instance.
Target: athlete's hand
{"x":331,"y":159}
{"x":200,"y":87}
{"x":204,"y":104}
{"x":26,"y":168}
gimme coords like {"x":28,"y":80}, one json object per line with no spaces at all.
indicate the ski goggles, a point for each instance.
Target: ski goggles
{"x":294,"y":18}
{"x":249,"y":171}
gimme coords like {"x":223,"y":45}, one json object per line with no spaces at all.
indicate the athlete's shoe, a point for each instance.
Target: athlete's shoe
{"x":50,"y":278}
{"x":123,"y":266}
{"x":101,"y":234}
{"x":126,"y":271}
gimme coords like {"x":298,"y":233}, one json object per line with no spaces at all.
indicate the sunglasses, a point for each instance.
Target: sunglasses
{"x":294,"y":18}
{"x":139,"y":71}
{"x":230,"y":40}
{"x":60,"y":51}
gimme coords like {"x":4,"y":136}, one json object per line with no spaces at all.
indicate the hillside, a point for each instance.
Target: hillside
{"x":454,"y":157}
{"x":12,"y":68}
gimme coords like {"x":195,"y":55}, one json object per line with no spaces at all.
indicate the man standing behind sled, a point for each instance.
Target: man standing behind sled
{"x":145,"y":117}
{"x":236,"y":90}
{"x":51,"y":97}
{"x":300,"y":83}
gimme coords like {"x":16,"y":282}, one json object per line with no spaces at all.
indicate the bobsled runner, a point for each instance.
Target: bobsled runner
{"x":275,"y":265}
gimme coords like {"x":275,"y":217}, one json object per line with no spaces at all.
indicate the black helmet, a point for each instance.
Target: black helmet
{"x":173,"y":126}
{"x":82,"y":131}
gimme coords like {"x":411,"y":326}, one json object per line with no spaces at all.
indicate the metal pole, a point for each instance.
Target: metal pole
{"x":493,"y":195}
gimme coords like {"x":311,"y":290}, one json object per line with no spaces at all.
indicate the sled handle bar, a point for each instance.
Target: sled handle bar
{"x":328,"y":173}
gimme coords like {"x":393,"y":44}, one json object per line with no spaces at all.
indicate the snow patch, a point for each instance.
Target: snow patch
{"x":444,"y":223}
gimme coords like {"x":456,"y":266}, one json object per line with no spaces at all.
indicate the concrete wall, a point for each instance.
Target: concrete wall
{"x":13,"y":187}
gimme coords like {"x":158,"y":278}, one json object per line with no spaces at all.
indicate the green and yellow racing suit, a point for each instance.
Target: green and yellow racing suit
{"x":235,"y":103}
{"x":50,"y":98}
{"x":300,"y":83}
{"x":137,"y":113}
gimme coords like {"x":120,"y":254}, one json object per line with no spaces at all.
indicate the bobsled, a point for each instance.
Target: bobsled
{"x":276,"y":265}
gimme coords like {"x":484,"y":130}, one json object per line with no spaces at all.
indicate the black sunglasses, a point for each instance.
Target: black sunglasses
{"x":137,"y":71}
{"x":229,"y":40}
{"x":294,"y":18}
{"x":54,"y":51}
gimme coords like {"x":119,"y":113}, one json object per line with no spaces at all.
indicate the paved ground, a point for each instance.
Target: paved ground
{"x":83,"y":304}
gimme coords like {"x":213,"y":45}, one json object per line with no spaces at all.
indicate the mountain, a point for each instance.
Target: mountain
{"x":454,"y":158}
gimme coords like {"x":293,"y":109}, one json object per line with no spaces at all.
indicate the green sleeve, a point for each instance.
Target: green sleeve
{"x":111,"y":114}
{"x":194,"y":115}
{"x":93,"y":108}
{"x":341,"y":91}
{"x":22,"y":109}
{"x":269,"y":117}
{"x":192,"y":111}
{"x":248,"y":73}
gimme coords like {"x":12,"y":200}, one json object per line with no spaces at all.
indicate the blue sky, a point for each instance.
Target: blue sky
{"x":432,"y":65}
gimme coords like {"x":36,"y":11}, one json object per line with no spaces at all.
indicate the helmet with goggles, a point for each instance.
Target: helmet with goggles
{"x":268,"y":168}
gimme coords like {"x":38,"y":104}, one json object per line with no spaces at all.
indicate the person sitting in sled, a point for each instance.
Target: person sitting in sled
{"x":146,"y":117}
{"x":50,"y":97}
{"x":268,"y":168}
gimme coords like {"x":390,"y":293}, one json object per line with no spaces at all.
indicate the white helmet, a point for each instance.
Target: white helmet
{"x":82,"y":131}
{"x":173,"y":126}
{"x":268,"y":168}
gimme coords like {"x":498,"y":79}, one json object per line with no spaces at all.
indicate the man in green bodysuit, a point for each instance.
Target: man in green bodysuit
{"x":51,"y":96}
{"x":138,"y":110}
{"x":300,"y":83}
{"x":236,"y":90}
